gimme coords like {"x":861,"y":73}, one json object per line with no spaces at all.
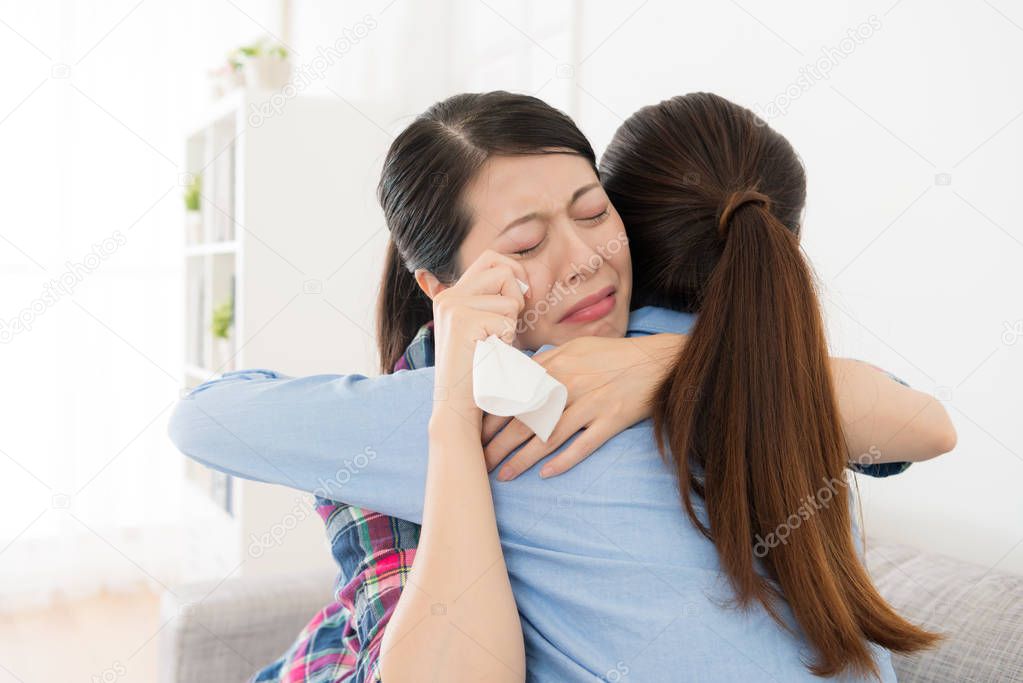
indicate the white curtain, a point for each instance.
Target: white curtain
{"x":93,"y":114}
{"x":97,"y":103}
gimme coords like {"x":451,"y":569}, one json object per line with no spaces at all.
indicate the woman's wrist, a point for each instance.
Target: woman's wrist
{"x":451,"y":417}
{"x":663,"y":349}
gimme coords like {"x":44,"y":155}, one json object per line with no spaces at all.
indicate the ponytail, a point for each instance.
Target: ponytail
{"x":750,"y":421}
{"x":402,"y":308}
{"x":713,"y":198}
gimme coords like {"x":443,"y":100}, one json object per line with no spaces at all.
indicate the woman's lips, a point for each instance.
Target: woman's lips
{"x":592,"y":307}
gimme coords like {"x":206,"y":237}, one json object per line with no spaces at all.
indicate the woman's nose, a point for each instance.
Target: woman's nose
{"x":581,"y":258}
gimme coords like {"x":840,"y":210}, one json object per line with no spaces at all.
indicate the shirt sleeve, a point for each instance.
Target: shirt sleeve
{"x":352,"y":438}
{"x":881,"y":469}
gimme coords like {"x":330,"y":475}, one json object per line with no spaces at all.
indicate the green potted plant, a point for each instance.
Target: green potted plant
{"x":266,"y":64}
{"x":193,"y":215}
{"x":223,"y":319}
{"x":221,"y":326}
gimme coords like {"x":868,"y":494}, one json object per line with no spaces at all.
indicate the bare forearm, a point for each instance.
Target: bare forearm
{"x":456,"y":619}
{"x":886,"y":421}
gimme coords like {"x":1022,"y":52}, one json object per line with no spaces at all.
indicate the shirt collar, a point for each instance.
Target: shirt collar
{"x":654,"y":320}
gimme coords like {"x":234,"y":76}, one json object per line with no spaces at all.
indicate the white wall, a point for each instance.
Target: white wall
{"x":912,"y":143}
{"x":912,"y":146}
{"x":95,"y":104}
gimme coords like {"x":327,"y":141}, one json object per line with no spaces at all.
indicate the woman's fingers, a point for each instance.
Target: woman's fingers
{"x":492,"y":424}
{"x":497,"y":280}
{"x":493,"y":303}
{"x":494,"y":273}
{"x":489,"y":287}
{"x":589,"y":440}
{"x":544,"y":357}
{"x":504,"y":442}
{"x":489,"y":259}
{"x":572,"y":420}
{"x":498,"y":324}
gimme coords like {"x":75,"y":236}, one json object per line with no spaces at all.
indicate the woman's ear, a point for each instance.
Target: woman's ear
{"x":428,"y":282}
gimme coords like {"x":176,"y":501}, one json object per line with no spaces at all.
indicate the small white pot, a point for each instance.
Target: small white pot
{"x":222,"y":350}
{"x":193,"y":227}
{"x":267,"y":72}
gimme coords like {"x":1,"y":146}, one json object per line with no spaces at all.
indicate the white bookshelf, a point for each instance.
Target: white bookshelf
{"x":289,"y":230}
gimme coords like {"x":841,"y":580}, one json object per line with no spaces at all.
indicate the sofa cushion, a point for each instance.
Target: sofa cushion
{"x":979,"y":610}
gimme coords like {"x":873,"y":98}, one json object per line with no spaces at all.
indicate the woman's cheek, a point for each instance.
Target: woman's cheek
{"x":614,"y":247}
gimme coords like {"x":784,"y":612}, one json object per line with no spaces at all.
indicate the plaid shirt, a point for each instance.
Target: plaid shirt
{"x":374,"y":553}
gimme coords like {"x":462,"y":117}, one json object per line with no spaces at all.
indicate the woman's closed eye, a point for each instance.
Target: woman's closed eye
{"x":596,"y":218}
{"x":589,"y":220}
{"x":528,"y":250}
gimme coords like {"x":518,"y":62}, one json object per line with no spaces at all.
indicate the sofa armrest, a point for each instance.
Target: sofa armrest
{"x":225,"y":632}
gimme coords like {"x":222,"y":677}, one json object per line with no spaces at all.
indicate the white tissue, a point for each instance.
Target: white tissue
{"x":507,"y":382}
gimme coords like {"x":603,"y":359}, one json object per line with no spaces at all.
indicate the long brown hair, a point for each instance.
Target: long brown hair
{"x":424,"y":177}
{"x":712,"y":199}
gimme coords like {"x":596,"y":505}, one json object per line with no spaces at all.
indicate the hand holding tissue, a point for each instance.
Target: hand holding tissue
{"x":507,"y":382}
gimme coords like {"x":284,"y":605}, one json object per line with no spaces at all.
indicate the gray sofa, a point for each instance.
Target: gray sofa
{"x":222,"y":633}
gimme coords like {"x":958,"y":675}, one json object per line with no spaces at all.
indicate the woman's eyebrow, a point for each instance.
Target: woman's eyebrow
{"x":581,"y":191}
{"x":530,"y":216}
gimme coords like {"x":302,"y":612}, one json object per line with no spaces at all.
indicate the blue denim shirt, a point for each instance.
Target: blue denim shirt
{"x":611,"y":579}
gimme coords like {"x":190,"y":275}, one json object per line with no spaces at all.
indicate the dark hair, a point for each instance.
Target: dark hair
{"x":421,"y":191}
{"x":712,"y":198}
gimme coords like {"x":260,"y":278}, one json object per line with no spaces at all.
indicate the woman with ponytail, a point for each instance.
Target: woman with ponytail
{"x":747,"y":417}
{"x":630,"y":565}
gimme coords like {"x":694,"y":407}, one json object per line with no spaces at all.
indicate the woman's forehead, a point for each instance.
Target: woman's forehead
{"x":507,"y":187}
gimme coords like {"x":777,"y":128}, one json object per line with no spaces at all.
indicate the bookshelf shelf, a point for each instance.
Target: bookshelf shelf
{"x":194,"y":372}
{"x":211,"y":248}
